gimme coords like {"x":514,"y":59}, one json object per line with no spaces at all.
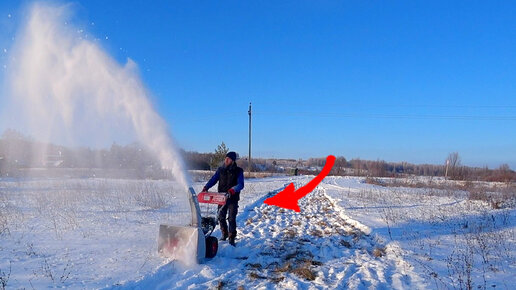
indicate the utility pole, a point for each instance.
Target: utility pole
{"x":250,"y":113}
{"x":446,"y":173}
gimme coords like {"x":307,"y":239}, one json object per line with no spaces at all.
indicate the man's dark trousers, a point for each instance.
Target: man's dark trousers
{"x":230,"y":209}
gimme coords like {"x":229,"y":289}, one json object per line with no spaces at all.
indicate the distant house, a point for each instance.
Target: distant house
{"x":53,"y":160}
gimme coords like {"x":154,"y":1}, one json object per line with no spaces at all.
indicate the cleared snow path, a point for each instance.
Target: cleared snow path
{"x":320,"y":247}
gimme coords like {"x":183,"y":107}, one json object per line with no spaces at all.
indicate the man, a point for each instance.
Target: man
{"x":231,"y":182}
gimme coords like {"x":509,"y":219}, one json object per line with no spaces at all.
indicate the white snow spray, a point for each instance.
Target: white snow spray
{"x":65,"y":88}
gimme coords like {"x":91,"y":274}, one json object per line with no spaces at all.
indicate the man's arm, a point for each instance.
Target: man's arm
{"x":213,"y":180}
{"x":240,"y":182}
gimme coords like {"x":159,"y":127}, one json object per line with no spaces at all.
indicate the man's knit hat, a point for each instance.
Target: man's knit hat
{"x":232,"y":155}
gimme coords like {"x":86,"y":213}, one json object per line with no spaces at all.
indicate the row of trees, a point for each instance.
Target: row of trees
{"x":23,"y":152}
{"x":452,"y":169}
{"x":18,"y":151}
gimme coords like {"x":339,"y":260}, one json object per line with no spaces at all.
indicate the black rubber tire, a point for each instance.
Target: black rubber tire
{"x":212,"y":245}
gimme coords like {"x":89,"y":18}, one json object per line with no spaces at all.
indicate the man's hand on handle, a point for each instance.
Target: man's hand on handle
{"x":230,"y":193}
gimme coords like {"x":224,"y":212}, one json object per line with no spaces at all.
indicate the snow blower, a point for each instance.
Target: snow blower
{"x":193,"y":242}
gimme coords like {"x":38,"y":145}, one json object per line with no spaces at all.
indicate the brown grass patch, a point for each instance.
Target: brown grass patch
{"x":276,"y":279}
{"x":301,"y":268}
{"x":254,"y":266}
{"x":305,"y":272}
{"x":497,"y":200}
{"x":379,"y":252}
{"x":323,"y":223}
{"x":345,"y":244}
{"x":254,"y":275}
{"x":316,"y":233}
{"x":287,"y":267}
{"x":328,"y":209}
{"x":290,"y":233}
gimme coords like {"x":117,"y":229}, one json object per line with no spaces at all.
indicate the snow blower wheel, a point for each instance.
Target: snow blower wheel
{"x":212,"y":245}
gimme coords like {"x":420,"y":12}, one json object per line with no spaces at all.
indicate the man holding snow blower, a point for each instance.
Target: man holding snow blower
{"x":231,"y":182}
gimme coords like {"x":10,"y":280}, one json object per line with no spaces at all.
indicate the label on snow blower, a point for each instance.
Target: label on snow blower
{"x":212,"y":197}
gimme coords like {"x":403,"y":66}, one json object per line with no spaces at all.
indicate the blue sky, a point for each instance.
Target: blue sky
{"x":392,"y":80}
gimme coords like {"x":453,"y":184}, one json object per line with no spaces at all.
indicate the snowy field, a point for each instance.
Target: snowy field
{"x":102,"y":233}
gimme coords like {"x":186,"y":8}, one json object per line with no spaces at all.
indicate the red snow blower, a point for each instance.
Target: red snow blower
{"x":183,"y":243}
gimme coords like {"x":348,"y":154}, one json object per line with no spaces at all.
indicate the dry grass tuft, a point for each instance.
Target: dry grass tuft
{"x":255,"y":266}
{"x":305,"y":272}
{"x":290,"y":233}
{"x":301,"y":268}
{"x":323,"y":223}
{"x":316,"y":233}
{"x":220,"y":285}
{"x":379,"y":252}
{"x":254,"y":275}
{"x":287,"y":267}
{"x":345,"y":244}
{"x":276,"y":279}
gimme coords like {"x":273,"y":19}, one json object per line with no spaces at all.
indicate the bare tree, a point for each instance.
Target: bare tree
{"x":378,"y":168}
{"x":504,"y":173}
{"x":454,"y":165}
{"x":357,"y":166}
{"x":339,"y":166}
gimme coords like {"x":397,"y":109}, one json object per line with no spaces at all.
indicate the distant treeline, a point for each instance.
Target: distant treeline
{"x":380,"y":168}
{"x":18,"y":152}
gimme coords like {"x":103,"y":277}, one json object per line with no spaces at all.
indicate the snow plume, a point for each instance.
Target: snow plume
{"x":64,"y":88}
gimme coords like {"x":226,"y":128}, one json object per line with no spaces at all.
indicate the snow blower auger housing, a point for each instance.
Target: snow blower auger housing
{"x":193,"y":242}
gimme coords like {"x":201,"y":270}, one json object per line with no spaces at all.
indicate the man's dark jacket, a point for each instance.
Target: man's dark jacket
{"x":228,"y":177}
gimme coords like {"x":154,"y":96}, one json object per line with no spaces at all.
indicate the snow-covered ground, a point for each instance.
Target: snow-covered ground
{"x":98,"y":233}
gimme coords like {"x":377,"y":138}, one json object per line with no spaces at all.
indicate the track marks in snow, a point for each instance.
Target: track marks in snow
{"x":320,"y":246}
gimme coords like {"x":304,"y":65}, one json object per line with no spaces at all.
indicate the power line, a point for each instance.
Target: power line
{"x":421,"y":106}
{"x":405,"y":105}
{"x":387,"y":116}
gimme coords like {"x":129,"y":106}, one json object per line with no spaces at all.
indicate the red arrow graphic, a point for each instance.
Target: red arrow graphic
{"x":288,"y":197}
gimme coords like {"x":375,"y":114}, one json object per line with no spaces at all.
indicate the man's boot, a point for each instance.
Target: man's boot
{"x":224,"y":235}
{"x":232,"y":240}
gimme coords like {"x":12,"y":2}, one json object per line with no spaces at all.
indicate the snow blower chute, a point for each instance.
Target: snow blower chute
{"x":193,"y":242}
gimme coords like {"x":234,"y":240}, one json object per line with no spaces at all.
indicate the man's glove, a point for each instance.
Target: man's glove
{"x":204,"y":189}
{"x":230,"y":193}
